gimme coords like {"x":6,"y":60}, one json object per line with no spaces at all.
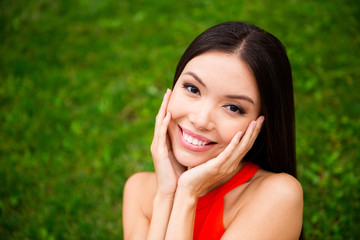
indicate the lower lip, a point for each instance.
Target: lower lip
{"x":193,"y":147}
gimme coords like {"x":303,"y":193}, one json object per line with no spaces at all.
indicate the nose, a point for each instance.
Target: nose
{"x":202,"y":117}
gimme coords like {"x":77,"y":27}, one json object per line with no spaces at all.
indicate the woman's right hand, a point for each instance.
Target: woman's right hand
{"x":167,"y":168}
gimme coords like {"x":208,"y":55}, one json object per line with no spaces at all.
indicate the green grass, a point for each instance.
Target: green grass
{"x":81,"y":82}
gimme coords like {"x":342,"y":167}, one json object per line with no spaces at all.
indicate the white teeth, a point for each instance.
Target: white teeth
{"x":193,"y":140}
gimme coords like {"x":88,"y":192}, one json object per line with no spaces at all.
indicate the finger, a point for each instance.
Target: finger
{"x":159,"y":119}
{"x":160,"y":138}
{"x":243,"y":146}
{"x":234,"y":157}
{"x":165,"y":102}
{"x":161,"y":114}
{"x":163,"y":106}
{"x":257,"y":128}
{"x":238,"y":146}
{"x":251,"y":134}
{"x":249,"y":131}
{"x":159,"y":146}
{"x":162,"y":135}
{"x":224,"y":155}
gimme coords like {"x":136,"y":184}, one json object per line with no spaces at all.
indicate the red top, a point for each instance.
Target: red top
{"x":209,"y":210}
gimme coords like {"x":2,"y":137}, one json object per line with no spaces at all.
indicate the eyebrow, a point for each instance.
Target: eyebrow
{"x":196,"y":77}
{"x":241,"y":97}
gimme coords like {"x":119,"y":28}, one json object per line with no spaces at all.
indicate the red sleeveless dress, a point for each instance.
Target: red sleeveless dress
{"x":209,"y":210}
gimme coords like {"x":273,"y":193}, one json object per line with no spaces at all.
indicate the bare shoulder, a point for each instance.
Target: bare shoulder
{"x":137,"y":204}
{"x":281,"y":185}
{"x":140,"y":179}
{"x":140,"y":189}
{"x":279,"y":190}
{"x":273,"y":203}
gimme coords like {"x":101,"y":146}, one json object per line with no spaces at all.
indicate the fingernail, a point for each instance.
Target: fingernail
{"x":238,"y":135}
{"x":262,"y":119}
{"x":166,"y":93}
{"x":253,"y":124}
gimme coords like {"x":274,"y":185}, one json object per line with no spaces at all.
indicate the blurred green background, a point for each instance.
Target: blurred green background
{"x":81,"y":82}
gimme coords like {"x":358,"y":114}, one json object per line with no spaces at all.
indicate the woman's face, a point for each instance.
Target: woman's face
{"x":215,"y":96}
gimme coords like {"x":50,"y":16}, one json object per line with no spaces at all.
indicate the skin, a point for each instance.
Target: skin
{"x":210,"y":111}
{"x":162,"y":205}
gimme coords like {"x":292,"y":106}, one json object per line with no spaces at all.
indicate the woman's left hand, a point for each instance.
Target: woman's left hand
{"x":211,"y":174}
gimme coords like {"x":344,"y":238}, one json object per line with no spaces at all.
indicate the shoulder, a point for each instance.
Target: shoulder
{"x":280,"y":185}
{"x":137,"y":204}
{"x":278,"y":192}
{"x":140,"y":179}
{"x":140,"y":190}
{"x":274,"y":204}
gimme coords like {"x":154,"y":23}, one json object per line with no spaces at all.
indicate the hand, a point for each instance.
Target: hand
{"x":218,"y":170}
{"x":167,"y":168}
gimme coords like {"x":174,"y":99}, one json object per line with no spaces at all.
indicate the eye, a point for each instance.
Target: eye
{"x":191,"y":88}
{"x":235,"y":109}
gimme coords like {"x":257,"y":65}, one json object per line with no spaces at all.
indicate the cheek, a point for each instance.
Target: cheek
{"x":171,"y":107}
{"x":176,"y":106}
{"x":230,"y":129}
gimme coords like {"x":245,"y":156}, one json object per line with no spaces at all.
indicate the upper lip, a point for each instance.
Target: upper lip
{"x":197,"y":136}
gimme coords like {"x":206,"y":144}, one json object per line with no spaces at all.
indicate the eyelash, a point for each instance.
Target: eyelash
{"x":238,"y":109}
{"x":196,"y":90}
{"x":187,"y":86}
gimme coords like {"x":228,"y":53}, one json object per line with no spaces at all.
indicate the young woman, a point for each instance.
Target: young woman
{"x":223,"y":147}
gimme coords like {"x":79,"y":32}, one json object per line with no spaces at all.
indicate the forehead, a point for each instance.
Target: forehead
{"x":223,"y":71}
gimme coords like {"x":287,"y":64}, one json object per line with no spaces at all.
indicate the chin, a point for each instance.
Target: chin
{"x":188,"y":159}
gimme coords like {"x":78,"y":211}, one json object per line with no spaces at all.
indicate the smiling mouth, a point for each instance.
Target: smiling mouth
{"x":193,"y":140}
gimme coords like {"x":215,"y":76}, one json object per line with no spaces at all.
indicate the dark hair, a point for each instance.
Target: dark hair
{"x":274,"y":148}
